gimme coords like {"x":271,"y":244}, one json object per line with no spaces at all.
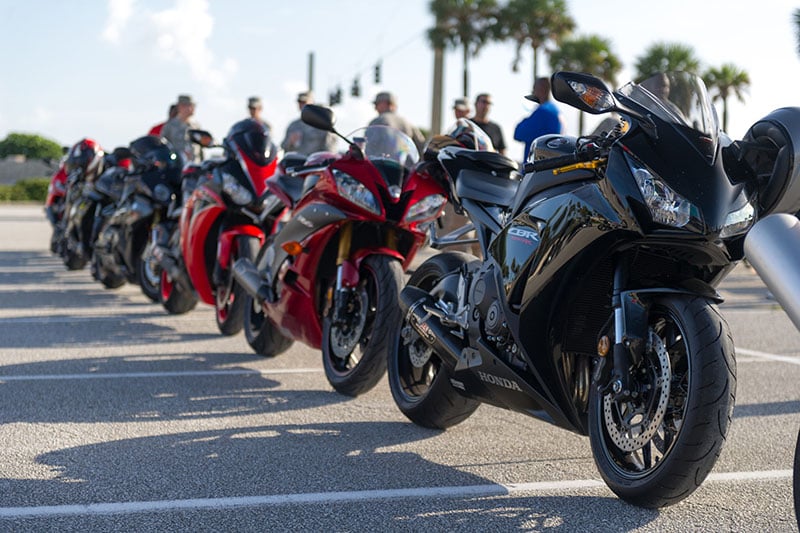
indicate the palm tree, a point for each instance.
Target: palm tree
{"x":591,"y":54}
{"x":727,"y":80}
{"x":466,"y":23}
{"x":663,"y":57}
{"x":796,"y":18}
{"x":534,"y":22}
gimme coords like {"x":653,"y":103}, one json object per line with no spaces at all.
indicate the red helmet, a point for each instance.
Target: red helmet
{"x":87,"y":156}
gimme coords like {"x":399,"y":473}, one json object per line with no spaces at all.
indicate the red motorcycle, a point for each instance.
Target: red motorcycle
{"x":54,"y":205}
{"x":330,"y":277}
{"x":224,"y":216}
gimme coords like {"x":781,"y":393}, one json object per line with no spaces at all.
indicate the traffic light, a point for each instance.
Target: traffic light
{"x":378,"y":72}
{"x":335,"y":97}
{"x":355,"y":89}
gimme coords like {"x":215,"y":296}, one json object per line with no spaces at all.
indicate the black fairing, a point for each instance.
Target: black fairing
{"x":253,"y":138}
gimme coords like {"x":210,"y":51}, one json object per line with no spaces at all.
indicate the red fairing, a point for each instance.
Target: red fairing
{"x":58,"y":185}
{"x":227,"y":237}
{"x":198,"y":216}
{"x":258,"y":174}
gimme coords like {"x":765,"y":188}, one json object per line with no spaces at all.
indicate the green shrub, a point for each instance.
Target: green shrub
{"x":27,"y":190}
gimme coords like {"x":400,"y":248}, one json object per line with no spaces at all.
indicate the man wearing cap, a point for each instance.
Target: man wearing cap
{"x":306,"y":139}
{"x":176,"y":131}
{"x":545,"y":119}
{"x":482,"y":104}
{"x":386,"y":106}
{"x":461,"y":108}
{"x":254,"y":107}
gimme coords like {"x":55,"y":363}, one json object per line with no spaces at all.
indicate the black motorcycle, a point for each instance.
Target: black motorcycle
{"x":123,"y":248}
{"x":176,"y":292}
{"x":595,"y":308}
{"x":93,"y":196}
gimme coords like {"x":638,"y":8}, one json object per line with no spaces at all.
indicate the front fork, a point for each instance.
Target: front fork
{"x":630,"y":334}
{"x":347,"y":276}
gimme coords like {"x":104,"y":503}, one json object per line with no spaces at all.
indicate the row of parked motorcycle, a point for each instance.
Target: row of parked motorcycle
{"x":592,"y":306}
{"x":285,"y":246}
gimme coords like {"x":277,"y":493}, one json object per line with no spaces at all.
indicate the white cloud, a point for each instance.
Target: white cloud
{"x":181,"y":36}
{"x":119,"y":12}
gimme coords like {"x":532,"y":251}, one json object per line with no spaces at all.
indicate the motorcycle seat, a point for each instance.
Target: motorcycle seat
{"x":486,"y":188}
{"x":489,"y":161}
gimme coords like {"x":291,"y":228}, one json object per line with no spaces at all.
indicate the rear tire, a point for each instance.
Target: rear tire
{"x":422,"y":390}
{"x":354,"y":353}
{"x":176,"y":299}
{"x":108,"y":279}
{"x":263,"y":337}
{"x":656,"y":449}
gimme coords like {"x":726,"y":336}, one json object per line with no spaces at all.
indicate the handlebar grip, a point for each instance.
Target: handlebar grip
{"x":552,"y":162}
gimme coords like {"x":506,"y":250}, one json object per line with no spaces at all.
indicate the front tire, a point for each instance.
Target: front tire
{"x":148,"y":273}
{"x":354,"y":351}
{"x":419,"y":381}
{"x":231,"y":299}
{"x":656,"y":449}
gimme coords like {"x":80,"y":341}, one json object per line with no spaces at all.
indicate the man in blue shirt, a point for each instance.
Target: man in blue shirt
{"x":545,"y":118}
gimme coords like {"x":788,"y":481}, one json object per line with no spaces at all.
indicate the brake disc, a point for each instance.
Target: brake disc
{"x":631,"y":424}
{"x":345,"y":337}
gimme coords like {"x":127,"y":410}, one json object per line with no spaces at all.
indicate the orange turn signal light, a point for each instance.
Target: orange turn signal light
{"x":292,"y":248}
{"x":603,"y":346}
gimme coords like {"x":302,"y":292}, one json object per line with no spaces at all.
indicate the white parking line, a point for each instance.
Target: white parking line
{"x":544,"y":487}
{"x":177,"y":373}
{"x":770,"y":356}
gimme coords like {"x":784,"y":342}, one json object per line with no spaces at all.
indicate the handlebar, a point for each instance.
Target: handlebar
{"x":552,"y":162}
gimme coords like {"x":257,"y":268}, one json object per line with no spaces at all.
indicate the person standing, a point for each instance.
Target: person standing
{"x":156,"y":130}
{"x":544,"y":119}
{"x":254,"y":107}
{"x":176,"y":131}
{"x":386,"y":106}
{"x":482,"y":104}
{"x":461,"y":108}
{"x":304,"y":138}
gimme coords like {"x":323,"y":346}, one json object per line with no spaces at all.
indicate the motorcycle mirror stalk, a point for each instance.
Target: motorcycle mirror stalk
{"x":323,"y":118}
{"x":201,"y":137}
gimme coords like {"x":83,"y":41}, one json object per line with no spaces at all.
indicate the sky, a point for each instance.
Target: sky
{"x":108,"y":69}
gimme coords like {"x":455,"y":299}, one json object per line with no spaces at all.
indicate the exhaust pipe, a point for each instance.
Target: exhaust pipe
{"x":167,"y":262}
{"x":773,"y":248}
{"x":247,"y":275}
{"x":421,"y":313}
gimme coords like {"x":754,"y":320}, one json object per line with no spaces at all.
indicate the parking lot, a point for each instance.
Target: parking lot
{"x":119,"y":417}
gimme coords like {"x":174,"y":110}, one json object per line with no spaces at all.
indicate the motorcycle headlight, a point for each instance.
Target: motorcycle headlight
{"x":428,"y":207}
{"x":739,"y":221}
{"x":666,"y":206}
{"x":355,"y":191}
{"x":162,"y":193}
{"x":239,"y":194}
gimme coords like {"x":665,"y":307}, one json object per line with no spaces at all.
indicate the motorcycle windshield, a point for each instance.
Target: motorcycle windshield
{"x":391,"y":151}
{"x":680,"y":99}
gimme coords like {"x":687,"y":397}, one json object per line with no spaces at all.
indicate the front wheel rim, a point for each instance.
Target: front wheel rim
{"x":636,"y":460}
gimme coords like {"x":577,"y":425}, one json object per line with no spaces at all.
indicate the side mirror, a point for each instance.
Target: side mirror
{"x":201,"y":137}
{"x":583,"y":92}
{"x":318,"y":116}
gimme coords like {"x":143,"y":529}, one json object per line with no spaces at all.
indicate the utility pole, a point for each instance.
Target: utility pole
{"x":438,"y":89}
{"x":311,"y":71}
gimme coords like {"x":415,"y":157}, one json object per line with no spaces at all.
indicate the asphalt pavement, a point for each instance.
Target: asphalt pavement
{"x":119,"y":417}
